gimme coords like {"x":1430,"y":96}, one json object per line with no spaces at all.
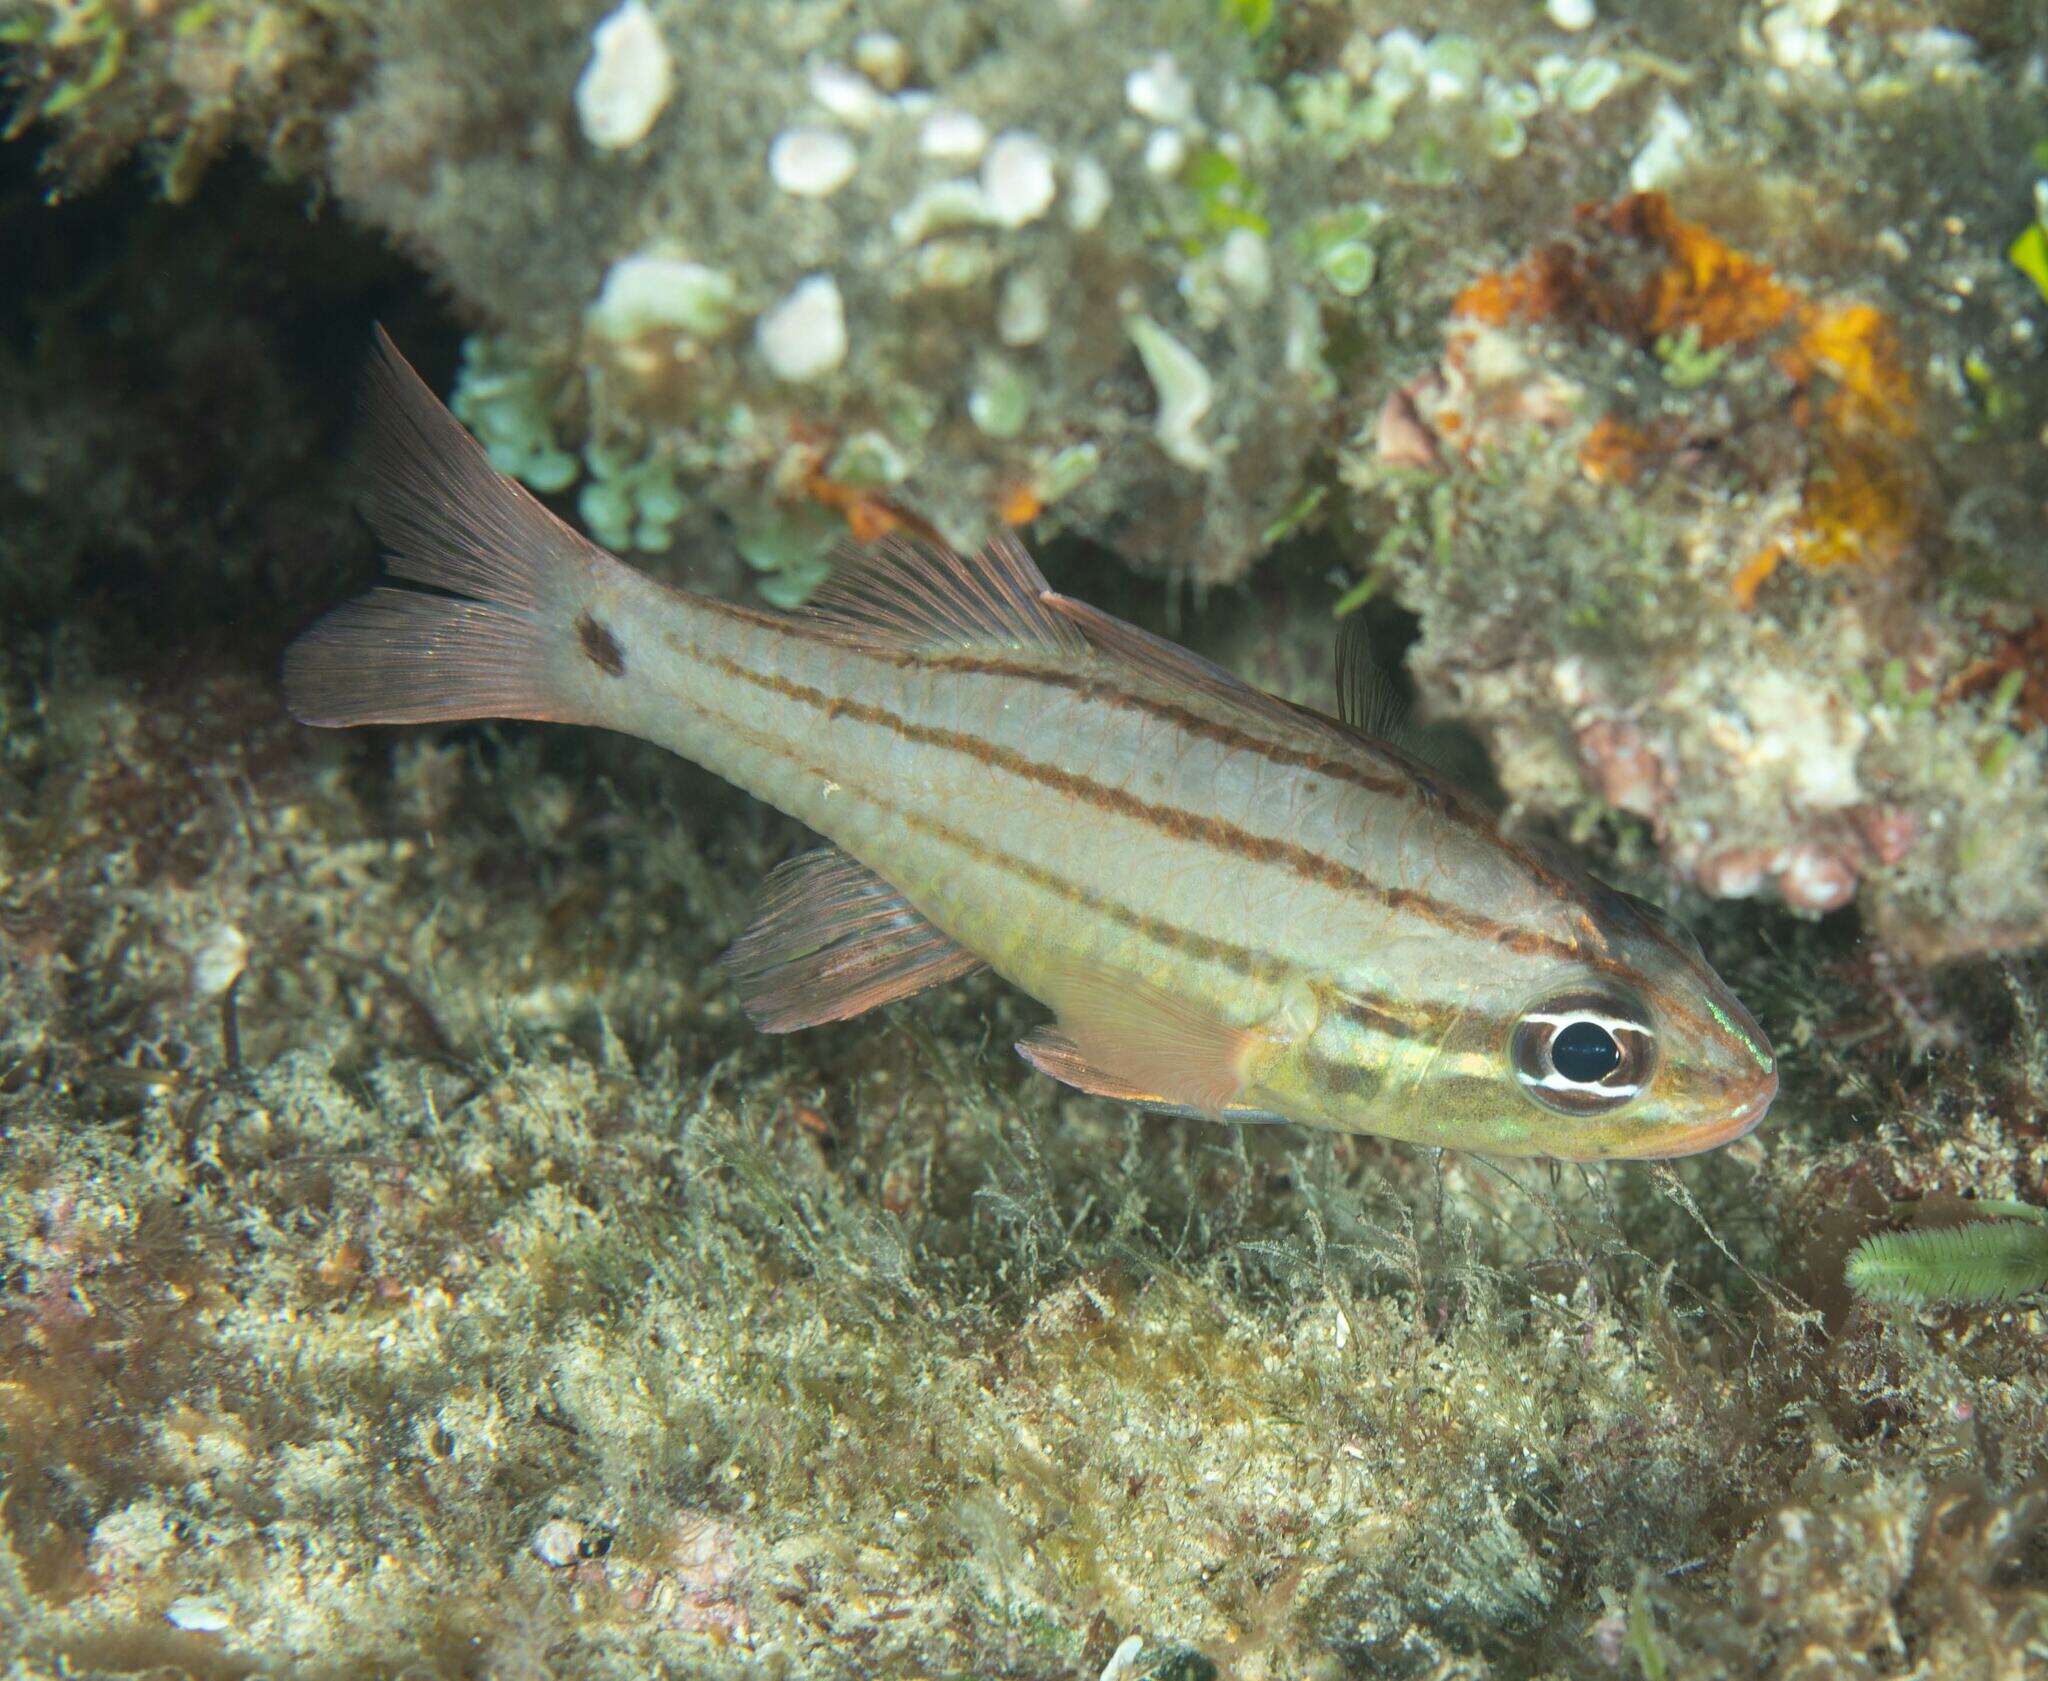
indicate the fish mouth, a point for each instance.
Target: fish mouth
{"x":1711,"y":1135}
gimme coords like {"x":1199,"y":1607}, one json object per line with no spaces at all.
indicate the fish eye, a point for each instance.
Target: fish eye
{"x":1584,"y":1053}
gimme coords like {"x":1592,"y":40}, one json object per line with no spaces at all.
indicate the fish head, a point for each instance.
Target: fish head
{"x":1641,"y":1051}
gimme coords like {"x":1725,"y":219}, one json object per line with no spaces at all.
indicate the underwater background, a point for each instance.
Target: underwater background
{"x":411,"y":1262}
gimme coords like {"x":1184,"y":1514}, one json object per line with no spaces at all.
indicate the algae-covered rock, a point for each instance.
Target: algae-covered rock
{"x":1682,"y":339}
{"x":1668,"y":522}
{"x":1042,"y":254}
{"x":410,"y":1261}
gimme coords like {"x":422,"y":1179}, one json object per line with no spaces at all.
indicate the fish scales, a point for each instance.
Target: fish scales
{"x":1234,"y":906}
{"x":1071,"y":819}
{"x":1186,"y":831}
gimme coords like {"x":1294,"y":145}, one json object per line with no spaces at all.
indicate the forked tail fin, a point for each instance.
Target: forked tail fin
{"x":503,"y":642}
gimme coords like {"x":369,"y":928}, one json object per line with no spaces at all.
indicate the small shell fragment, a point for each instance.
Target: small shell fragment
{"x":1663,"y":156}
{"x":1157,"y":89}
{"x":219,"y":963}
{"x":198,"y":1614}
{"x":1247,"y":263}
{"x":1185,"y":389}
{"x":629,"y":79}
{"x":882,"y":58}
{"x":1017,"y":182}
{"x":1123,"y":1662}
{"x":650,"y":291}
{"x":558,"y":1542}
{"x":804,"y":336}
{"x":848,"y":95}
{"x":953,"y":136}
{"x":811,"y":162}
{"x":939,"y":208}
{"x":1088,"y":193}
{"x":1024,"y":308}
{"x":1165,"y":152}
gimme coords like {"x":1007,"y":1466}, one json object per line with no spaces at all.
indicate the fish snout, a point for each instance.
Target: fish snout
{"x":1751,"y":1099}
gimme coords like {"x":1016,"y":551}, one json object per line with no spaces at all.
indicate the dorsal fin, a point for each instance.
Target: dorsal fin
{"x":1163,"y":661}
{"x":1371,"y":703}
{"x":1412,"y":753}
{"x":831,"y":939}
{"x":1366,"y":697}
{"x":919,"y":595}
{"x":1174,"y":667}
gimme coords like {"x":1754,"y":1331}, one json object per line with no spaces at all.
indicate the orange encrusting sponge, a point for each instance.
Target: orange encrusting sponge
{"x":1854,"y":395}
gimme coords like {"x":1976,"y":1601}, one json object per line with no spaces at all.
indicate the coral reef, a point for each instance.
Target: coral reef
{"x":409,"y":1260}
{"x":1745,"y":645}
{"x":1719,"y":415}
{"x":893,"y":278}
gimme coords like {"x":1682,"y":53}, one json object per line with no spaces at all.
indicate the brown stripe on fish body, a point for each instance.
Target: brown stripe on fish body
{"x":743,"y":675}
{"x":983,"y":883}
{"x":1319,"y":746}
{"x":881,"y":805}
{"x":791,"y":681}
{"x":1396,"y":849}
{"x":1171,"y":860}
{"x":1325,"y":930}
{"x":1315,"y":744}
{"x":1184,"y":821}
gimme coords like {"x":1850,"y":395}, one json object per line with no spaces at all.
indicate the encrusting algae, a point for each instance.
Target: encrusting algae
{"x":413,"y":1263}
{"x":1590,"y":498}
{"x":1849,"y":389}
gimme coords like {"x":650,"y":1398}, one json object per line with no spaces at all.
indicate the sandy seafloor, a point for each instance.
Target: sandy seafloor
{"x":412,"y":1264}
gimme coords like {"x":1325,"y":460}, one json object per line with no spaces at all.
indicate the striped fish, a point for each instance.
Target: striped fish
{"x":1234,"y":907}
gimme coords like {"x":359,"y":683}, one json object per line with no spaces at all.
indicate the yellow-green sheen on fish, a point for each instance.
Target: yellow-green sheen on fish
{"x":1233,"y":906}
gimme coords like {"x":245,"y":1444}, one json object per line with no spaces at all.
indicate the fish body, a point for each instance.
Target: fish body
{"x":1235,"y":907}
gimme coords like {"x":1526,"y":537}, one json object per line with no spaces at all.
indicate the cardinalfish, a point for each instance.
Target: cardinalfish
{"x":1235,"y":907}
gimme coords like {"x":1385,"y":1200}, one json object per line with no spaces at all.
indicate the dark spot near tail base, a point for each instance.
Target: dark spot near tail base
{"x":602,"y":647}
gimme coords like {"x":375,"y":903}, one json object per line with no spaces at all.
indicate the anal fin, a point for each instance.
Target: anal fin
{"x":831,"y":939}
{"x":1053,"y":1054}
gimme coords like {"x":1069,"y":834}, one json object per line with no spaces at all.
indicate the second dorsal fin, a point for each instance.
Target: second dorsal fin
{"x":1366,"y":697}
{"x":906,"y":593}
{"x":1176,"y":668}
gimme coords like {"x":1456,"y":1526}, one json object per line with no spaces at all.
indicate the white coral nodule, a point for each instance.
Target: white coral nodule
{"x":1185,"y":391}
{"x":804,"y":335}
{"x":629,"y":79}
{"x":651,"y":291}
{"x":1017,"y":182}
{"x":812,"y":162}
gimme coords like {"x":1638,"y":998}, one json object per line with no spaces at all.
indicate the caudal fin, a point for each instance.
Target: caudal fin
{"x":516,"y":576}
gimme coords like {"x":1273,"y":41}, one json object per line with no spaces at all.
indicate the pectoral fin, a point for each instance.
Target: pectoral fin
{"x":1124,"y":1039}
{"x":831,"y":939}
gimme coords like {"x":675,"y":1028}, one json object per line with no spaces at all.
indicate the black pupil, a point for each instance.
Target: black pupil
{"x":1585,"y":1052}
